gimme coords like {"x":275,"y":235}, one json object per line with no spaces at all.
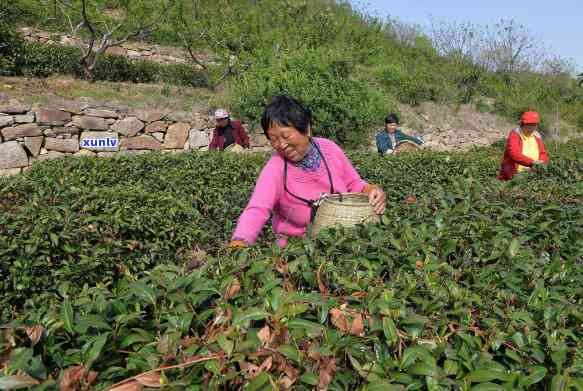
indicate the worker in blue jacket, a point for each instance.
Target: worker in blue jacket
{"x":387,"y":139}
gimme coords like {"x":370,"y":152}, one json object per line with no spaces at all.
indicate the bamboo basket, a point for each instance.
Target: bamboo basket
{"x":406,"y":146}
{"x":346,"y":210}
{"x":235,"y":148}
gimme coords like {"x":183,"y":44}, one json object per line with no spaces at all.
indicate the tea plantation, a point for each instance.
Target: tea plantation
{"x":114,"y":272}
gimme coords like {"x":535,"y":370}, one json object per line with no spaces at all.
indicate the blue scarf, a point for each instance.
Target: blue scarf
{"x":312,"y":161}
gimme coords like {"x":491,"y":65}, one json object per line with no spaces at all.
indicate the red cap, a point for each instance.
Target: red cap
{"x":530,"y":117}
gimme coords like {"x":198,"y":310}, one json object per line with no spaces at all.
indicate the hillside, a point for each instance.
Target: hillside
{"x":443,"y":127}
{"x":349,"y":67}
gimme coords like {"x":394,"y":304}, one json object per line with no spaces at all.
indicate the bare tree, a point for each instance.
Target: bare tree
{"x":102,"y":34}
{"x":402,"y":32}
{"x":201,"y":31}
{"x":510,"y":48}
{"x":459,"y":41}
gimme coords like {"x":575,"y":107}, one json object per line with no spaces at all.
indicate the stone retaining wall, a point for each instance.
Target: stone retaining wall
{"x":34,"y":133}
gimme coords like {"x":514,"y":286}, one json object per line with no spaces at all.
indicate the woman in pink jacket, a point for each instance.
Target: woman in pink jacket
{"x":298,"y":173}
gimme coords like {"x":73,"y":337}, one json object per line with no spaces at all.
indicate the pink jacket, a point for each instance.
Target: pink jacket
{"x":290,"y":216}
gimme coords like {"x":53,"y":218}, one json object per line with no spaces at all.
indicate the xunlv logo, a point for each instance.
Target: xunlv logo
{"x":98,"y":142}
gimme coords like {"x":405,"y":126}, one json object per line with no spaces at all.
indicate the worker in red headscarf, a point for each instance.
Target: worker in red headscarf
{"x":524,"y":147}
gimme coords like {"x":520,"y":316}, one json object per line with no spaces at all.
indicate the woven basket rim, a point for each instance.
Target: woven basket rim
{"x":234,"y":148}
{"x":406,"y":142}
{"x":349,"y":199}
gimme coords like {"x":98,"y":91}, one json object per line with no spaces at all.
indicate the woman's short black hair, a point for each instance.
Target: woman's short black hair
{"x":392,"y":119}
{"x":286,"y":111}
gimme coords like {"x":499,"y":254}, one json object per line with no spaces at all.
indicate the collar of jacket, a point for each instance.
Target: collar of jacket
{"x":519,"y":132}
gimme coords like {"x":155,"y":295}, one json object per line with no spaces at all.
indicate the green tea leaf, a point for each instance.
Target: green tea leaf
{"x":536,"y":375}
{"x":249,"y":315}
{"x":485,"y":375}
{"x":67,"y":315}
{"x":290,"y":352}
{"x":383,"y":385}
{"x":226,"y":344}
{"x":513,"y":248}
{"x":423,"y":369}
{"x":558,"y":383}
{"x":390,"y":331}
{"x":309,"y":378}
{"x":257,"y":383}
{"x":95,"y":350}
{"x":488,"y":387}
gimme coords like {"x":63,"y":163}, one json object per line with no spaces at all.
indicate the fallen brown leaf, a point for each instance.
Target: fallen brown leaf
{"x":75,"y":376}
{"x":250,"y":371}
{"x":359,"y":294}
{"x":339,"y":320}
{"x":266,"y":366}
{"x":314,"y":355}
{"x":410,"y":199}
{"x":291,"y":373}
{"x":129,"y":386}
{"x":321,"y":285}
{"x":286,"y":383}
{"x":264,"y":336}
{"x":281,"y":266}
{"x":35,"y":333}
{"x":327,"y":369}
{"x":232,"y":290}
{"x":151,"y":380}
{"x":357,"y":327}
{"x":8,"y":335}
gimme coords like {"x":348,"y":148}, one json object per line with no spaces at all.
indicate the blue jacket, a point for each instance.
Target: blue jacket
{"x":384,"y":141}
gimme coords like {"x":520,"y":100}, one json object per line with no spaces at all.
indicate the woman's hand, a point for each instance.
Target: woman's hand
{"x":377,"y":198}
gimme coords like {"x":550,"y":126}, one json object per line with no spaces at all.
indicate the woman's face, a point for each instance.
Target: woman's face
{"x":222,"y":122}
{"x":288,"y":142}
{"x":529,"y":128}
{"x":391,"y":127}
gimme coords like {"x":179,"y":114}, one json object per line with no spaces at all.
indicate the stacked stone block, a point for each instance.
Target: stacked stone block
{"x":34,"y":133}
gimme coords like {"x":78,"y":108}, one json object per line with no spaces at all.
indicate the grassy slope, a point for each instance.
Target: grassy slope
{"x":410,"y":73}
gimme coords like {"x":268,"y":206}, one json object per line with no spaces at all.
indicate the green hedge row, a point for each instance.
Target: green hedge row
{"x":100,"y":216}
{"x":472,"y":285}
{"x":42,"y":60}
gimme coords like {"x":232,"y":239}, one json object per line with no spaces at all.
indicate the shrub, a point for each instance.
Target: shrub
{"x":26,"y":11}
{"x":343,"y":107}
{"x":41,"y":60}
{"x":10,"y":49}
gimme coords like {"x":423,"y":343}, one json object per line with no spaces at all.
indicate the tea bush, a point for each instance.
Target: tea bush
{"x":467,"y":282}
